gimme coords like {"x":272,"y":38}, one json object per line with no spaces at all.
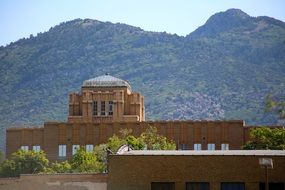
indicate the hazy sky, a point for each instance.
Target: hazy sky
{"x":20,"y":18}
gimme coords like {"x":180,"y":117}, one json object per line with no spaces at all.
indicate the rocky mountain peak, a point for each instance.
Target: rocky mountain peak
{"x":223,"y":21}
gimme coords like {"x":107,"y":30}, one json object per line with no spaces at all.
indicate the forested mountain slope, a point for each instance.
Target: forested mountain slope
{"x":223,"y":70}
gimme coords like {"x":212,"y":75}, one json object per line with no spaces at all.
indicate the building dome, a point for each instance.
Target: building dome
{"x":106,"y":81}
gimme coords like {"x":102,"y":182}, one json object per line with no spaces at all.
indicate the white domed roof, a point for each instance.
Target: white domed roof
{"x":106,"y":81}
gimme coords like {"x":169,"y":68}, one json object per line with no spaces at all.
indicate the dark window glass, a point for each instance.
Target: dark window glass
{"x":103,"y":108}
{"x":232,"y":186}
{"x":162,"y":186}
{"x":272,"y":186}
{"x":110,"y":107}
{"x":183,"y":147}
{"x":197,"y":186}
{"x":95,"y":108}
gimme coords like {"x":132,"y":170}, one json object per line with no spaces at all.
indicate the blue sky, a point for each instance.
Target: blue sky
{"x":20,"y":18}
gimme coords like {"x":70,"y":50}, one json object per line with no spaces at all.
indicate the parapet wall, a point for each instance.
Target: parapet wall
{"x":55,"y":182}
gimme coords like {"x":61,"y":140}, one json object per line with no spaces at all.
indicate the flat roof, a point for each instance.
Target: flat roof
{"x":206,"y":152}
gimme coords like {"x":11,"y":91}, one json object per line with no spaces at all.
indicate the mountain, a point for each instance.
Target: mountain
{"x":223,"y":70}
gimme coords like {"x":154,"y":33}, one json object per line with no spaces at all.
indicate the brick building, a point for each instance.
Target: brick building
{"x":195,"y":170}
{"x":106,"y":105}
{"x":106,"y":99}
{"x":168,"y":170}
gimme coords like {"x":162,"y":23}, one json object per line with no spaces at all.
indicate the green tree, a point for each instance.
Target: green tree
{"x":154,"y":141}
{"x":85,"y":162}
{"x":8,"y":169}
{"x":266,"y":138}
{"x":115,"y":142}
{"x":58,"y":167}
{"x":100,"y":152}
{"x":275,"y":106}
{"x":24,"y":162}
{"x":149,"y":139}
{"x":1,"y":157}
{"x":135,"y":143}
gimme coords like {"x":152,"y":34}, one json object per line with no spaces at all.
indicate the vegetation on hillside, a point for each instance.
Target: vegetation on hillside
{"x":223,"y":70}
{"x":275,"y":106}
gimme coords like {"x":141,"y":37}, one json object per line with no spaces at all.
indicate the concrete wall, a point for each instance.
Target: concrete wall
{"x":136,"y":172}
{"x":55,"y":182}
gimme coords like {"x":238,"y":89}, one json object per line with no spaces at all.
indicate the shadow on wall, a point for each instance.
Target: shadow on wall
{"x":55,"y":182}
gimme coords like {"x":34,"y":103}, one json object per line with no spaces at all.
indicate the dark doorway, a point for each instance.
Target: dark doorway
{"x":162,"y":186}
{"x":272,"y":186}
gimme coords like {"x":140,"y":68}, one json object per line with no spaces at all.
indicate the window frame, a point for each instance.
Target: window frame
{"x":88,"y":149}
{"x":197,"y":146}
{"x":24,"y":147}
{"x":232,"y":183}
{"x":211,"y":146}
{"x":75,"y":147}
{"x":95,"y":108}
{"x":110,"y":107}
{"x":197,"y":185}
{"x":225,"y":146}
{"x":62,"y":150}
{"x":183,"y":146}
{"x":36,"y":148}
{"x":103,"y":108}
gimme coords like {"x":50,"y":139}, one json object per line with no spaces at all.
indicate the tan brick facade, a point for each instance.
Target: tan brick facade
{"x":137,"y":172}
{"x":106,"y":99}
{"x":184,"y":133}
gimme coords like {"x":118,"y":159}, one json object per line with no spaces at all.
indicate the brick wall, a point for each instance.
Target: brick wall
{"x":182,"y":132}
{"x":136,"y":172}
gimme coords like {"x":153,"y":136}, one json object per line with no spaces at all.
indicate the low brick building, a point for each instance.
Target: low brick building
{"x":195,"y":170}
{"x":190,"y":135}
{"x":169,"y":170}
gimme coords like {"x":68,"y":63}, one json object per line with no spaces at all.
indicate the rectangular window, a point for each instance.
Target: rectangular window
{"x":95,"y":108}
{"x":62,"y":150}
{"x":224,"y":146}
{"x":197,"y":146}
{"x":110,"y":107}
{"x":232,"y":186}
{"x":162,"y":186}
{"x":36,"y":148}
{"x":183,"y":147}
{"x":103,"y":109}
{"x":89,"y":147}
{"x":197,"y":186}
{"x":211,"y":146}
{"x":25,"y":148}
{"x":75,"y":147}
